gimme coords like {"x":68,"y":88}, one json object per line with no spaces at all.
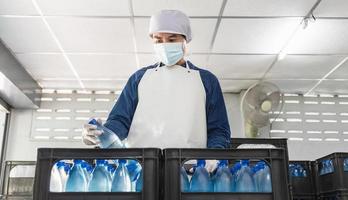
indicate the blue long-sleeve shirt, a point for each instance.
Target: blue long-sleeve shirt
{"x":218,"y":129}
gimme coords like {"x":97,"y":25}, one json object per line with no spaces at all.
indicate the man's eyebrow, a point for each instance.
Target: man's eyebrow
{"x":157,"y":37}
{"x":173,"y":36}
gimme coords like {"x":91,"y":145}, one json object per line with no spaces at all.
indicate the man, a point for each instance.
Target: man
{"x":171,"y":104}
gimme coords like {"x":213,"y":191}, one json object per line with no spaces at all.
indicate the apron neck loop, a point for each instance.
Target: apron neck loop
{"x":186,"y":63}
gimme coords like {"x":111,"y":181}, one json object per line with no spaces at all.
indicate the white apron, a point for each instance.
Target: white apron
{"x":171,"y":110}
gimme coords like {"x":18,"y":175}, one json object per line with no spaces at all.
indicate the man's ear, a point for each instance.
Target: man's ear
{"x":185,"y":48}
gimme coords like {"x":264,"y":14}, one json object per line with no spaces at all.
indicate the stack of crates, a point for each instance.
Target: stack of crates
{"x":333,"y":185}
{"x":18,"y":180}
{"x":161,"y":171}
{"x":304,"y":187}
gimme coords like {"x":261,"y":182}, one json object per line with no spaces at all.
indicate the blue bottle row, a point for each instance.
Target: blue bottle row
{"x":297,"y":170}
{"x":241,"y":177}
{"x":105,"y":176}
{"x":345,"y":165}
{"x":326,"y":167}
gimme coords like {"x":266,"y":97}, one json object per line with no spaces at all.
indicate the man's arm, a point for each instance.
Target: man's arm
{"x":121,"y":115}
{"x":218,"y":127}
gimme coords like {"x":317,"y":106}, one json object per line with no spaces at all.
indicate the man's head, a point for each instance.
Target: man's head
{"x":170,"y":30}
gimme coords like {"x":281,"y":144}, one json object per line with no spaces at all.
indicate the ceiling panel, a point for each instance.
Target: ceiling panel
{"x":60,"y":84}
{"x":202,"y":33}
{"x":104,"y":66}
{"x":235,"y":85}
{"x":17,"y":7}
{"x":303,"y":67}
{"x":332,"y":87}
{"x":190,"y":7}
{"x":330,"y":8}
{"x":93,"y":34}
{"x":268,"y":7}
{"x":332,"y":35}
{"x":42,"y":66}
{"x":294,"y":86}
{"x":26,"y":35}
{"x":341,"y":72}
{"x":85,"y":7}
{"x":240,"y":66}
{"x":253,"y":35}
{"x":111,"y":85}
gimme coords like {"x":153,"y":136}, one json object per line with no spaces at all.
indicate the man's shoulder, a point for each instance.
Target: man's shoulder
{"x":205,"y":74}
{"x":140,"y":72}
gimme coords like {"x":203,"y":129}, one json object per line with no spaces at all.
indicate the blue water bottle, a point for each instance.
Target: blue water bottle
{"x":345,"y":165}
{"x":108,"y":139}
{"x":121,"y":181}
{"x":245,"y":182}
{"x":99,"y":180}
{"x":223,"y":178}
{"x":184,"y":181}
{"x":76,"y":181}
{"x":200,"y":181}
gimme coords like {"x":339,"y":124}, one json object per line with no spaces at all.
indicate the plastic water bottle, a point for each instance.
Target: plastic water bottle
{"x":139,"y":182}
{"x":56,"y":184}
{"x":134,"y":169}
{"x":345,"y":165}
{"x":234,"y":171}
{"x":121,"y":181}
{"x":108,"y":139}
{"x":244,"y":182}
{"x":99,"y":180}
{"x":200,"y":181}
{"x":62,"y":172}
{"x":262,"y":178}
{"x":76,"y":181}
{"x":296,"y":171}
{"x":331,"y":167}
{"x":184,"y":181}
{"x":87,"y":170}
{"x":223,"y":178}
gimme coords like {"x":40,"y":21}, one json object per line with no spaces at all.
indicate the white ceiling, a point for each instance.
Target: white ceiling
{"x":98,"y":44}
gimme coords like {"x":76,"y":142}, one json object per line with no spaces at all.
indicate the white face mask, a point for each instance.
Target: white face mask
{"x":169,"y":53}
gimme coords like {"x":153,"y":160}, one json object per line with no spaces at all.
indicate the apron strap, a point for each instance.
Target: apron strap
{"x":186,"y":63}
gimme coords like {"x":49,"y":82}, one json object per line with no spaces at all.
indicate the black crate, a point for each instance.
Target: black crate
{"x":305,"y":197}
{"x":149,"y":158}
{"x":335,"y":181}
{"x":341,"y":195}
{"x":276,"y":158}
{"x":304,"y":187}
{"x":279,"y":143}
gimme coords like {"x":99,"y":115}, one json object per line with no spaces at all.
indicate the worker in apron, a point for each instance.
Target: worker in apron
{"x":173,"y":103}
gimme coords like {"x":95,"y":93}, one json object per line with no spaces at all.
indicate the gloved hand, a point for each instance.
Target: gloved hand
{"x":210,"y":165}
{"x":90,"y":133}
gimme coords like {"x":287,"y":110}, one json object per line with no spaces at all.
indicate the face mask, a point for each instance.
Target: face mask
{"x":169,"y":53}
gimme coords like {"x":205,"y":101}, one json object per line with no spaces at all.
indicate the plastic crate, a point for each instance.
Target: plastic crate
{"x":279,"y":143}
{"x":149,"y":158}
{"x":342,"y":195}
{"x":335,"y":181}
{"x":18,"y":180}
{"x":276,"y":158}
{"x":304,"y":187}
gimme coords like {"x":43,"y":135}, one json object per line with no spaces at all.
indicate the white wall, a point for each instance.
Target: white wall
{"x":20,"y":146}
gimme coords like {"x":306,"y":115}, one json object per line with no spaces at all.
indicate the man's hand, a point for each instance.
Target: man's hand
{"x":90,"y":133}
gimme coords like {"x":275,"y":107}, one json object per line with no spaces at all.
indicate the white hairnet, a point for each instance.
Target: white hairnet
{"x":171,"y":21}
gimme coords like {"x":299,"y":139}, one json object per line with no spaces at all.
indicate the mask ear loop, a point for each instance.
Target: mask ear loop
{"x":184,"y":45}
